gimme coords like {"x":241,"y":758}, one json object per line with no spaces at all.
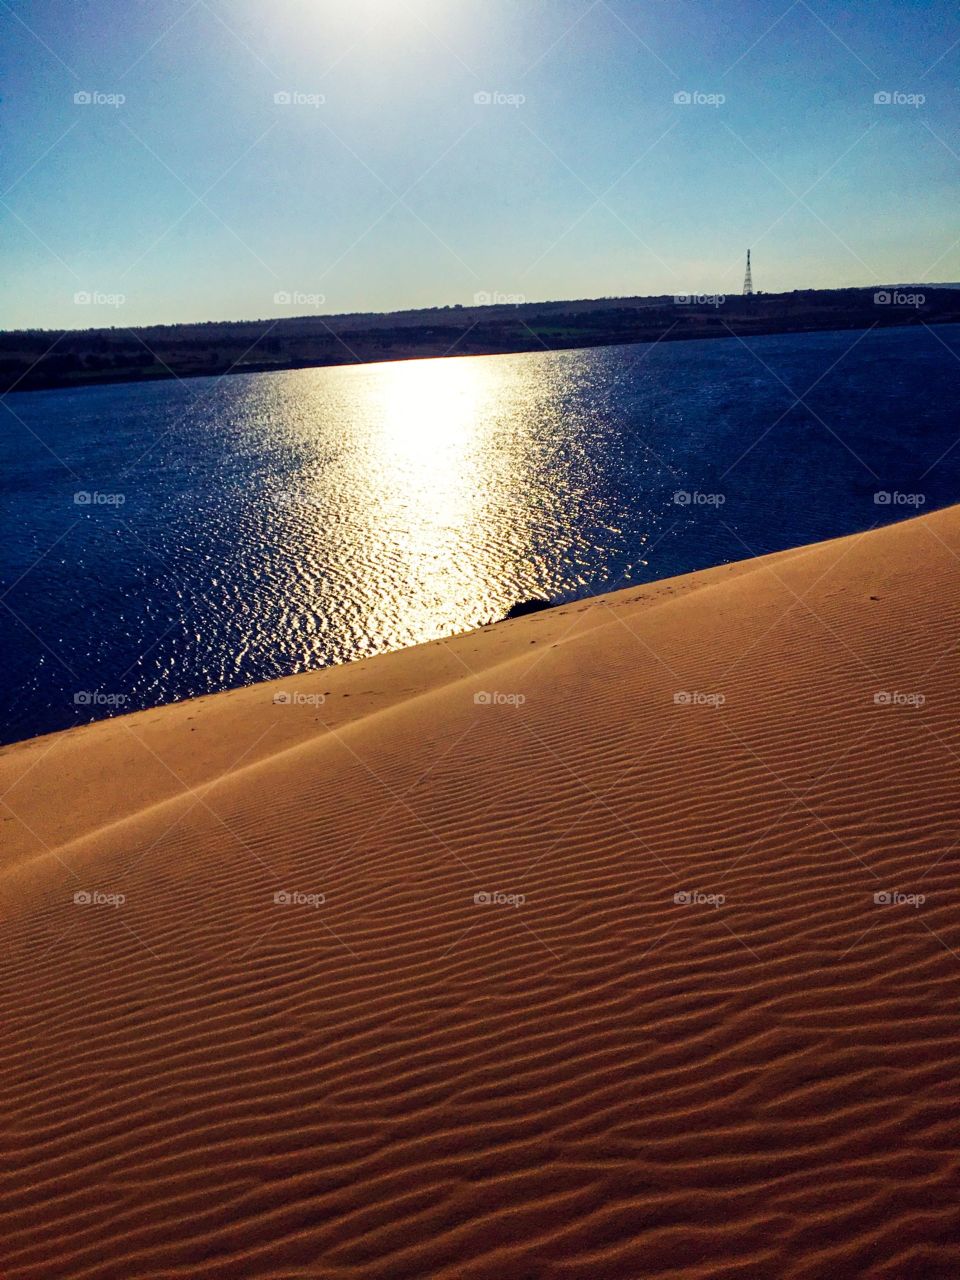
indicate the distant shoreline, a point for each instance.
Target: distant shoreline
{"x":54,"y":360}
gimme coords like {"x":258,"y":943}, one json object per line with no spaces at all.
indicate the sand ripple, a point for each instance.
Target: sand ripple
{"x":756,"y":1081}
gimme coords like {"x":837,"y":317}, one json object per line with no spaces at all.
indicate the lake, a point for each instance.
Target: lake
{"x":175,"y":538}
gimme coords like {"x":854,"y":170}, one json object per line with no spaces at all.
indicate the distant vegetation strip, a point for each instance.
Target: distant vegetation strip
{"x":36,"y":359}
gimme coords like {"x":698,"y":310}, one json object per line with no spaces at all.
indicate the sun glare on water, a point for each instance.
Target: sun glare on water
{"x":411,"y":480}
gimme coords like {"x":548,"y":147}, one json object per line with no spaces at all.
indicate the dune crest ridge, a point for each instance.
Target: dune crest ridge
{"x":617,"y":940}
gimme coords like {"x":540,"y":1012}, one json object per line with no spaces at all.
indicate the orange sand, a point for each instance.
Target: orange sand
{"x":596,"y":1083}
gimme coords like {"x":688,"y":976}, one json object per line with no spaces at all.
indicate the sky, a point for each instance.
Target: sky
{"x":185,"y":160}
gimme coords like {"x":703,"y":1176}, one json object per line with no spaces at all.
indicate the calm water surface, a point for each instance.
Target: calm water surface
{"x":265,"y":524}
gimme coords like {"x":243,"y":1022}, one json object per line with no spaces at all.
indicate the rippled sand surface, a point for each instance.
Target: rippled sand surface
{"x":617,"y":940}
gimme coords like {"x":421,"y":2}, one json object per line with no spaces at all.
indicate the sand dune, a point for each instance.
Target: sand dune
{"x":678,"y":1036}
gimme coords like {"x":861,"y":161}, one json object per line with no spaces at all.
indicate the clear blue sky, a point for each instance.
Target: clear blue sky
{"x":200,"y":197}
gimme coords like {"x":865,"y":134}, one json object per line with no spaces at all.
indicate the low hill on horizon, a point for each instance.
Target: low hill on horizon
{"x":36,"y":359}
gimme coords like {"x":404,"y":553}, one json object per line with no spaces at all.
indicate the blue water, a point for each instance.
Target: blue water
{"x":262,"y":524}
